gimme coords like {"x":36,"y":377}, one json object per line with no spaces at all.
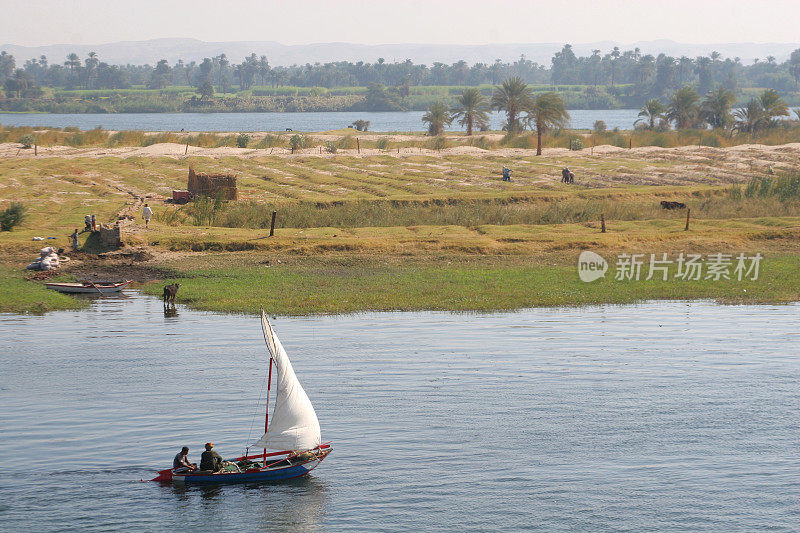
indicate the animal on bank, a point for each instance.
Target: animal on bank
{"x":170,"y":292}
{"x":672,"y":205}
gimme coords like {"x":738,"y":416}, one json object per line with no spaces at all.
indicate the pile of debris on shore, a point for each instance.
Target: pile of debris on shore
{"x":48,"y":259}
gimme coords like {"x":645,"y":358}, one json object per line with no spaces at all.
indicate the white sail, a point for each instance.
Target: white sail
{"x":293,"y":424}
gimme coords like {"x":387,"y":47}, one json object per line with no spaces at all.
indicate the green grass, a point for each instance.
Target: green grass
{"x":416,"y":232}
{"x":459,"y":285}
{"x":20,"y":296}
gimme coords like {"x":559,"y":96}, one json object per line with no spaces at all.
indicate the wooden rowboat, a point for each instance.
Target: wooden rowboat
{"x":88,"y":287}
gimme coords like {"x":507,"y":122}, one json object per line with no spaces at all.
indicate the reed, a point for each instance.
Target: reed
{"x":725,"y":203}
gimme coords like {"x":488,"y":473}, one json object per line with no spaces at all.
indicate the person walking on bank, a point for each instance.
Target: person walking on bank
{"x":146,"y":214}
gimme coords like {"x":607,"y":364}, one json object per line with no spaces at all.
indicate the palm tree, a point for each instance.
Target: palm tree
{"x":614,"y":59}
{"x":716,"y":107}
{"x":750,"y":117}
{"x":546,"y":112}
{"x":652,"y":110}
{"x":437,"y":118}
{"x":683,"y":109}
{"x":471,"y":109}
{"x":773,"y":106}
{"x":513,"y":97}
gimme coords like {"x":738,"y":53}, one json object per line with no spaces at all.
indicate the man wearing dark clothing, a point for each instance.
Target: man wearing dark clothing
{"x":181,"y":462}
{"x":210,"y":460}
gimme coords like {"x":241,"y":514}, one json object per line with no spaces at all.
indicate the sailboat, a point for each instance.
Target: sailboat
{"x":292,"y":443}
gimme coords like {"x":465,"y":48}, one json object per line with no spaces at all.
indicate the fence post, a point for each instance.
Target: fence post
{"x":358,"y":145}
{"x":688,"y":211}
{"x":602,"y":223}
{"x":35,"y":149}
{"x":272,"y":224}
{"x":186,"y":151}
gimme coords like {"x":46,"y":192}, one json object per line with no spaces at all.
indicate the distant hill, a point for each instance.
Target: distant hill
{"x":149,"y":52}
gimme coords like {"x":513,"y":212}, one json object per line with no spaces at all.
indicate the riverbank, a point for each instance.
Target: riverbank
{"x":347,"y":284}
{"x":424,"y":230}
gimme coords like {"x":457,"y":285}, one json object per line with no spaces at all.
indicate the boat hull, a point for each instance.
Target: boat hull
{"x":261,"y":476}
{"x":279,"y":473}
{"x":79,"y":288}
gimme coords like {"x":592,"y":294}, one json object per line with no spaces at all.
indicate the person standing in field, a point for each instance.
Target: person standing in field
{"x":147,"y":213}
{"x":74,"y":238}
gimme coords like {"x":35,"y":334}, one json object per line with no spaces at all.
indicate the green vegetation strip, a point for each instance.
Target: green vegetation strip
{"x":20,"y":296}
{"x":461,"y":286}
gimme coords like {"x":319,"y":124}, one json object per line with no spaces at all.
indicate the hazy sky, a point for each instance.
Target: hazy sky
{"x":43,"y":22}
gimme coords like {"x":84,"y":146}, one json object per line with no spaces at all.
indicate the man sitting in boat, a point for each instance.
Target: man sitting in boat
{"x":210,"y":460}
{"x":181,"y":462}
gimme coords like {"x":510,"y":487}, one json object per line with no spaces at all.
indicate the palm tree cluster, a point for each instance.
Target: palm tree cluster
{"x":761,"y":113}
{"x":471,"y":110}
{"x":523,"y":109}
{"x":687,"y":110}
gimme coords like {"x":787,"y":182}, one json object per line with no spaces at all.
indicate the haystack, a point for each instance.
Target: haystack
{"x":214,"y":185}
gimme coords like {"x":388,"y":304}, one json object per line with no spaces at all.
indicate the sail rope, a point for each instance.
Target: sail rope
{"x":256,"y":411}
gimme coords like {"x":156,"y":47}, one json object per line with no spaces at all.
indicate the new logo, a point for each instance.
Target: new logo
{"x":591,"y":266}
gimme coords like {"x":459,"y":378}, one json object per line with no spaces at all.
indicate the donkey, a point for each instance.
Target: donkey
{"x":170,"y":291}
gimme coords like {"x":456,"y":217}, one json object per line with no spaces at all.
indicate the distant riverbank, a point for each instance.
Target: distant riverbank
{"x":310,"y":121}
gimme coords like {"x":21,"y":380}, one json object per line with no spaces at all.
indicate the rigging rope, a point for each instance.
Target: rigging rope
{"x":256,"y":411}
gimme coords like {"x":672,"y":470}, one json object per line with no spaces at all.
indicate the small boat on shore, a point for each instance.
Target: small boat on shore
{"x":87,"y":287}
{"x":293,"y":433}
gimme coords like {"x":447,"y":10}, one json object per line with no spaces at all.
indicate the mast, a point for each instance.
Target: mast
{"x":266,"y":417}
{"x":264,"y":326}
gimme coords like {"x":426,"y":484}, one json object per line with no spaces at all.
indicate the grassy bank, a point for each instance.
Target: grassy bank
{"x":20,"y":296}
{"x":456,"y":283}
{"x":410,"y":231}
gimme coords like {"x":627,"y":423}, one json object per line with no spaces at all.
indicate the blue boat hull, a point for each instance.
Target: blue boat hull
{"x":271,"y":474}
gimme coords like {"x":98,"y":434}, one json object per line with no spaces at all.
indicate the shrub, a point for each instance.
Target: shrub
{"x":347,"y":143}
{"x":480,"y":142}
{"x":298,"y":142}
{"x":13,"y":215}
{"x":204,"y":210}
{"x":383,"y":143}
{"x":438,"y":143}
{"x":710,"y":140}
{"x":170,"y":217}
{"x":269,"y":141}
{"x":242,"y":140}
{"x":331,"y":147}
{"x":576,"y":143}
{"x":27,"y":141}
{"x":599,"y":126}
{"x":783,"y":187}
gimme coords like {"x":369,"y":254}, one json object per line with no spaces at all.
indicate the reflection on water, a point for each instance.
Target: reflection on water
{"x":292,"y":505}
{"x":670,"y":415}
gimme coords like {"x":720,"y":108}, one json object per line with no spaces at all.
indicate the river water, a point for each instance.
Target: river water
{"x":661,"y":416}
{"x":318,"y":121}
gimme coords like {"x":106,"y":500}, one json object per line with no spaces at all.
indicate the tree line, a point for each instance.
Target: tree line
{"x":686,"y":109}
{"x":637,"y":75}
{"x":546,"y":111}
